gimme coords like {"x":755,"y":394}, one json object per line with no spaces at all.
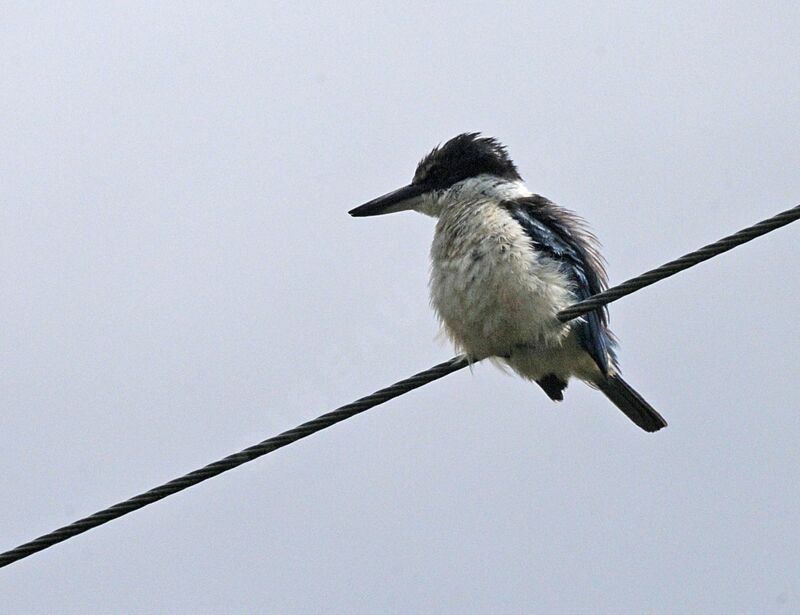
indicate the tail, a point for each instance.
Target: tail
{"x":631,"y":403}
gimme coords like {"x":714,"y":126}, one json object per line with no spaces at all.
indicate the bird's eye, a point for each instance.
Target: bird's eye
{"x":433,"y":174}
{"x":429,"y":174}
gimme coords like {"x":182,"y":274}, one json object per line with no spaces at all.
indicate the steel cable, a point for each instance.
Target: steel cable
{"x":383,"y":395}
{"x":679,"y":264}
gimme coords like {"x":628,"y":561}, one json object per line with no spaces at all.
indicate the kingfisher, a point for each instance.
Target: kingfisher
{"x":505,"y":261}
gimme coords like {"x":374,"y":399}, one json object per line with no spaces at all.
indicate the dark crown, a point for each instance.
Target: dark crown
{"x":467,"y":155}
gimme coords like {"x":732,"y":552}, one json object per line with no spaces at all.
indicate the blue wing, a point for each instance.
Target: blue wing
{"x":561,"y":235}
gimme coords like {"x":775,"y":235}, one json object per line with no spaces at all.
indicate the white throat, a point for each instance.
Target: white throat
{"x":472,"y":190}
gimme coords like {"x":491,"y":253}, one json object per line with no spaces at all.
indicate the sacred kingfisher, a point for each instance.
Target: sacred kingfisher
{"x":505,"y":261}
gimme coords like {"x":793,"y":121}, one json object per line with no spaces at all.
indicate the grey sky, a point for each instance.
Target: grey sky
{"x":180,"y":280}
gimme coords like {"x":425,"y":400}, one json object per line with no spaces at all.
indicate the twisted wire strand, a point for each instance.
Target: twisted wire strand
{"x":379,"y":397}
{"x":679,"y":264}
{"x":234,"y":460}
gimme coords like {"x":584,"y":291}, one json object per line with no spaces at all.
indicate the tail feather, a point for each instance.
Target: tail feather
{"x":631,"y":403}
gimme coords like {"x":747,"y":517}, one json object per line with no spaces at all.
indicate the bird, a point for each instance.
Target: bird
{"x":504,"y":262}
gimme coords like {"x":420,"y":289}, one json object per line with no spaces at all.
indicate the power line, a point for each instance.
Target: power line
{"x":679,"y":264}
{"x":383,"y":395}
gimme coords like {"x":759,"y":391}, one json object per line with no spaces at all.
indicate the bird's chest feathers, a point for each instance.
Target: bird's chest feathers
{"x":489,"y":285}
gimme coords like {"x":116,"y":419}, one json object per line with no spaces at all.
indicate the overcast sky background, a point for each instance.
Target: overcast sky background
{"x":179,"y":279}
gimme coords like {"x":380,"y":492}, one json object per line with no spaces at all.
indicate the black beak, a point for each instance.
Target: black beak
{"x":401,"y":199}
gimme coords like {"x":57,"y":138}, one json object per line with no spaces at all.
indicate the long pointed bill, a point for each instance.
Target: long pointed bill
{"x":401,"y":199}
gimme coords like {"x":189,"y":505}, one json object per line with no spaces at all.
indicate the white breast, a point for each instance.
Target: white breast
{"x":491,"y":289}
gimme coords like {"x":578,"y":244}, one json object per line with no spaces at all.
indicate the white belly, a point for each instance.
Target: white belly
{"x":497,"y":296}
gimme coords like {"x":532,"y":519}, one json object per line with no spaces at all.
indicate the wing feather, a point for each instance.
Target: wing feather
{"x":564,"y":237}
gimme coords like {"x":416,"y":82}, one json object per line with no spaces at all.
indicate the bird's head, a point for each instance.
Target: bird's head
{"x":466,"y":163}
